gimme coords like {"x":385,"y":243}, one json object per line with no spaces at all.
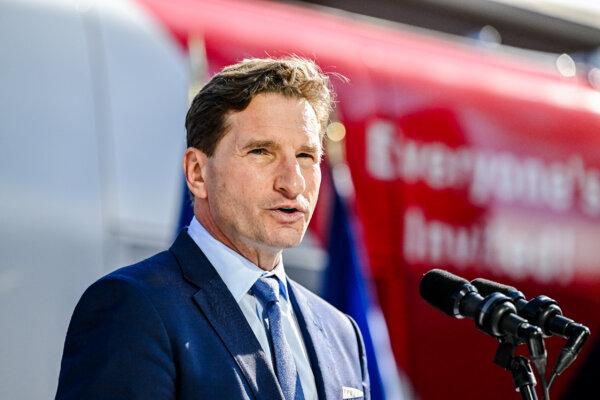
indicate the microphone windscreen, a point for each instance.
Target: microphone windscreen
{"x":439,"y":288}
{"x":486,"y":287}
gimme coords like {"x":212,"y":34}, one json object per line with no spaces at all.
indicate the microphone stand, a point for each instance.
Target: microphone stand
{"x":523,"y":377}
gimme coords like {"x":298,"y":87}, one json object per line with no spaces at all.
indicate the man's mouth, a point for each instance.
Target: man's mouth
{"x":290,"y":207}
{"x":288,"y":214}
{"x":288,"y":210}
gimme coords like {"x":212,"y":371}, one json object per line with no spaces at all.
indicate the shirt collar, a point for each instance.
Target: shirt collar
{"x":238,"y":273}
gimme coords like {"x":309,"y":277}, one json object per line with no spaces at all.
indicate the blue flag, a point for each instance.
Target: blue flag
{"x":346,"y":288}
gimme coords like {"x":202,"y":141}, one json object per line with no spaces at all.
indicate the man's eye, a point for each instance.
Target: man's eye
{"x":259,"y":151}
{"x":306,"y":155}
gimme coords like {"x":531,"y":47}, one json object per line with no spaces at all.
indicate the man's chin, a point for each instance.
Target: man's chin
{"x":286,"y":244}
{"x":285,"y":240}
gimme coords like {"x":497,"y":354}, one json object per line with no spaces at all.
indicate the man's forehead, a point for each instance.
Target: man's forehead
{"x":277,"y":118}
{"x":271,"y":106}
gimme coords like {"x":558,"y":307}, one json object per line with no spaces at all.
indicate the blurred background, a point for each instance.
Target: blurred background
{"x":467,"y":138}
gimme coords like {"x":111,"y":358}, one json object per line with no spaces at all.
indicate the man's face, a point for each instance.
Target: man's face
{"x":263,"y":179}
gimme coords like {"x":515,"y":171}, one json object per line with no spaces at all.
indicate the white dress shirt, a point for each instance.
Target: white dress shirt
{"x":239,"y":275}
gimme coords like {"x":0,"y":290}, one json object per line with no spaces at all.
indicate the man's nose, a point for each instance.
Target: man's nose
{"x":289,"y":179}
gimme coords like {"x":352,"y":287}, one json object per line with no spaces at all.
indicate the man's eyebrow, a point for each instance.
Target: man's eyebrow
{"x":270,"y":144}
{"x":310,"y":148}
{"x":252,"y":144}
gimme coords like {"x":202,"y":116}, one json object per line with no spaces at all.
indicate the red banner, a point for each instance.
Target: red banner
{"x":483,"y":185}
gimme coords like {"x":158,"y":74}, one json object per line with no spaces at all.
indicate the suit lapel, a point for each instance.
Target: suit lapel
{"x":225,"y":316}
{"x":317,"y":345}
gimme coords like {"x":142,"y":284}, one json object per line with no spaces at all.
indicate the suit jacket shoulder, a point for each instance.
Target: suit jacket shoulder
{"x":116,"y":332}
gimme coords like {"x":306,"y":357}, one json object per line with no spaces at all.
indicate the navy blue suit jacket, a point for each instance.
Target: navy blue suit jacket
{"x":168,"y":328}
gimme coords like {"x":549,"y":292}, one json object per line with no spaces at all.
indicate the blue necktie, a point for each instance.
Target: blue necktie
{"x":267,"y":291}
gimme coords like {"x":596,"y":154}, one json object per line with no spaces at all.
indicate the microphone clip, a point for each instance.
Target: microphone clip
{"x":523,"y":377}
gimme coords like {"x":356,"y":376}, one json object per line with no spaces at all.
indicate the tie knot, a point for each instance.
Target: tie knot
{"x":266,"y":289}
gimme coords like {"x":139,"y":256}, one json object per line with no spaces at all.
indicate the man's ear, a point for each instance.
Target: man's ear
{"x":194,"y":168}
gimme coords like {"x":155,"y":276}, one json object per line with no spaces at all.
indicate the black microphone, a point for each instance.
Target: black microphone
{"x":495,"y":314}
{"x":544,"y":312}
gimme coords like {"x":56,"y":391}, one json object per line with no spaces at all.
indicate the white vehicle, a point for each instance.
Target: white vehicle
{"x":92,"y":106}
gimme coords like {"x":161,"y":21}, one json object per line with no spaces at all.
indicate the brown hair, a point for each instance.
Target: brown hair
{"x":233,"y":88}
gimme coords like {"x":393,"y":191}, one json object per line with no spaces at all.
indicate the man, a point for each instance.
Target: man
{"x":215,"y":316}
